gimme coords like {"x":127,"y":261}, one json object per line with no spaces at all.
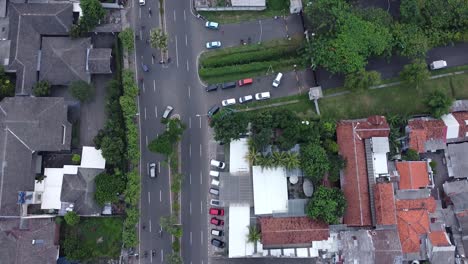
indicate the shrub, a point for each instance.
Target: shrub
{"x":327,"y":204}
{"x":411,"y":155}
{"x":41,"y":88}
{"x":76,"y":158}
{"x":176,"y":245}
{"x":126,"y":37}
{"x":263,"y":66}
{"x":108,"y":187}
{"x":72,"y":218}
{"x":82,"y":90}
{"x":438,"y":103}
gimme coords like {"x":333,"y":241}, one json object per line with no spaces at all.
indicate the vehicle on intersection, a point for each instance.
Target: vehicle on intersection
{"x":212,"y":25}
{"x":213,"y":45}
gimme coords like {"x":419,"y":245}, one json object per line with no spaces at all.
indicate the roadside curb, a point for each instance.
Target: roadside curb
{"x":269,"y":105}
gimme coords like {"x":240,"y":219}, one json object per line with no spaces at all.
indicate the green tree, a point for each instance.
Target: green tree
{"x":174,"y":258}
{"x":108,"y":187}
{"x":71,"y":218}
{"x":82,"y":90}
{"x":292,"y":161}
{"x":254,"y":234}
{"x":93,"y":12}
{"x":410,"y":12}
{"x":327,"y":204}
{"x":361,"y":80}
{"x":314,"y":162}
{"x":438,"y":103}
{"x":229,"y":126}
{"x":162,"y":144}
{"x":170,"y":225}
{"x":158,"y":39}
{"x":7,"y":88}
{"x":410,"y":155}
{"x":76,"y":158}
{"x":410,"y":40}
{"x":127,"y":38}
{"x":41,"y":88}
{"x":415,"y":73}
{"x":324,"y":14}
{"x":132,"y":192}
{"x":337,"y":163}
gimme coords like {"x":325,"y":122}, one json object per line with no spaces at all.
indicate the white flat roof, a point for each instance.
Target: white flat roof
{"x":239,"y":221}
{"x":92,"y":158}
{"x":302,"y":252}
{"x":452,"y":125}
{"x":270,"y":190}
{"x":248,"y":2}
{"x":238,"y":162}
{"x":380,"y":147}
{"x":52,"y":188}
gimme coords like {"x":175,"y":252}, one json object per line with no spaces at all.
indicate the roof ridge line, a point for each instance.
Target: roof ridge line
{"x":19,"y":139}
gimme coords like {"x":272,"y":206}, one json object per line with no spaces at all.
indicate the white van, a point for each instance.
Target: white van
{"x":435,"y":65}
{"x":277,"y":80}
{"x":142,"y":2}
{"x":218,"y":164}
{"x":214,"y":173}
{"x":215,"y":182}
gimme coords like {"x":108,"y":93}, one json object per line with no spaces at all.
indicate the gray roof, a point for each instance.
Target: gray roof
{"x":434,"y":144}
{"x":412,"y":194}
{"x":458,"y":154}
{"x":458,"y":193}
{"x":236,"y":189}
{"x":443,"y":255}
{"x":387,"y":246}
{"x":28,"y":22}
{"x":357,"y":246}
{"x":16,"y":241}
{"x":459,"y":105}
{"x":99,"y":60}
{"x":296,"y":208}
{"x":79,"y":189}
{"x":3,"y":10}
{"x":63,"y":60}
{"x":28,"y":125}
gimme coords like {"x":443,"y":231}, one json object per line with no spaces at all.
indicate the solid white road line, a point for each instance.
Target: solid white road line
{"x":160,"y":195}
{"x":190,"y":237}
{"x":146,"y":140}
{"x":189,"y":122}
{"x":190,"y":150}
{"x":185,"y":17}
{"x":190,"y":214}
{"x":176,"y":52}
{"x":156,"y":111}
{"x":186,"y":40}
{"x":154,"y":85}
{"x":188,"y":91}
{"x":200,"y":121}
{"x":149,"y":198}
{"x":145,"y":113}
{"x":159,"y":165}
{"x":187,"y":66}
{"x":150,"y":225}
{"x":200,"y":150}
{"x":190,"y":177}
{"x":162,"y":255}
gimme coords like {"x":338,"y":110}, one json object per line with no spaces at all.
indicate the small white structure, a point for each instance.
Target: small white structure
{"x":249,"y":3}
{"x":452,"y":126}
{"x":270,"y":190}
{"x":239,"y":221}
{"x":295,"y":6}
{"x":238,"y":162}
{"x":380,"y":148}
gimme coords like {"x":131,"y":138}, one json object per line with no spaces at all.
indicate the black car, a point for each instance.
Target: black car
{"x":217,"y":243}
{"x":212,"y":87}
{"x":213,"y":110}
{"x":229,"y":85}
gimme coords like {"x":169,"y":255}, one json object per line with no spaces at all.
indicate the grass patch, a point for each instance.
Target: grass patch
{"x":274,"y":8}
{"x":99,"y":237}
{"x":235,"y":63}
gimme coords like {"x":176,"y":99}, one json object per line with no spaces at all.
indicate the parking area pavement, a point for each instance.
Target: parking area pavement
{"x":257,"y":31}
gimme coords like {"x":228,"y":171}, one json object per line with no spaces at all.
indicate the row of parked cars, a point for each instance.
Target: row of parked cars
{"x":216,"y":213}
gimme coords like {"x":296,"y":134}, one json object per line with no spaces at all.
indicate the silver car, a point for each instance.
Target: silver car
{"x":168,"y":111}
{"x":152,"y":170}
{"x":213,"y":44}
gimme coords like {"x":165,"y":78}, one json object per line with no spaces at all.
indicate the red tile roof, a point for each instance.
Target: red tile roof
{"x":292,"y":230}
{"x":413,"y":174}
{"x":461,"y":117}
{"x":422,"y":130}
{"x":439,"y":239}
{"x":384,"y":202}
{"x":413,"y":221}
{"x":350,"y":135}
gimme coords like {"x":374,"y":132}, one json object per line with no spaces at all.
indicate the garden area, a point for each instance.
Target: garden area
{"x":234,"y":63}
{"x":273,"y":8}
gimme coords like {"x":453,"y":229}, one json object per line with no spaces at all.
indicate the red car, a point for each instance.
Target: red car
{"x":216,"y":211}
{"x":216,"y":221}
{"x":245,"y":82}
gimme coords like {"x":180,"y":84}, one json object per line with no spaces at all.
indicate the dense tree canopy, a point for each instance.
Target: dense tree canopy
{"x":108,"y":187}
{"x":314,"y":162}
{"x":438,"y":103}
{"x":229,"y":126}
{"x":361,"y":80}
{"x":92,"y":13}
{"x":415,"y":74}
{"x":327,"y":204}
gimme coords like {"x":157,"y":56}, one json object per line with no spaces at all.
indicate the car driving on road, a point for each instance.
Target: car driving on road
{"x":168,"y":111}
{"x":216,"y":211}
{"x":216,"y":221}
{"x":262,"y":96}
{"x":213,"y":44}
{"x":212,"y":25}
{"x":152,"y":170}
{"x":228,"y":102}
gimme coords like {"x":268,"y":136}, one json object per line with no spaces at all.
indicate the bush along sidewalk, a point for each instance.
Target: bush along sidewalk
{"x":168,"y":144}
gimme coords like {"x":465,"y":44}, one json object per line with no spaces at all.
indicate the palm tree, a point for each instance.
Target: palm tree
{"x":278,"y":158}
{"x":252,"y":156}
{"x":292,"y":161}
{"x":254,"y":234}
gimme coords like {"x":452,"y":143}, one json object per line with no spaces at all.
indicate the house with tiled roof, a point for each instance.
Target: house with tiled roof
{"x":384,"y":201}
{"x":414,"y":175}
{"x":364,"y":144}
{"x":439,"y":248}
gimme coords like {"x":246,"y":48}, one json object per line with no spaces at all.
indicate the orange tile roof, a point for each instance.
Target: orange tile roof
{"x":439,"y":239}
{"x":461,"y":117}
{"x":350,"y":138}
{"x":292,"y":230}
{"x":413,"y":174}
{"x":422,"y":130}
{"x":384,"y":201}
{"x":413,"y":221}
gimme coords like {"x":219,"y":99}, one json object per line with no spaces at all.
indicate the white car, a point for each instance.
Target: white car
{"x":217,"y":163}
{"x":211,"y":25}
{"x":142,"y":2}
{"x":214,"y":173}
{"x":262,"y":96}
{"x":213,"y":44}
{"x":277,"y":80}
{"x":167,"y":112}
{"x":228,"y":102}
{"x":215,"y":182}
{"x":440,"y":64}
{"x":245,"y":99}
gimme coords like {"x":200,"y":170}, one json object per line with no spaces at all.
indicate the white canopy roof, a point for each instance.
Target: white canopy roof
{"x":92,"y":158}
{"x":270,"y":190}
{"x":239,"y":221}
{"x":238,"y":162}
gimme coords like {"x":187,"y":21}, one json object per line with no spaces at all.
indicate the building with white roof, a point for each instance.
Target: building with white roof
{"x":239,"y":221}
{"x":380,"y":147}
{"x":270,"y":190}
{"x":238,"y":162}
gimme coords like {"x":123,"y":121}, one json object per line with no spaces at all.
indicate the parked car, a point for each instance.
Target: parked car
{"x":277,"y":80}
{"x":213,"y":45}
{"x":215,"y":202}
{"x":245,"y":99}
{"x":216,"y":211}
{"x":245,"y":82}
{"x":435,"y":65}
{"x":214,"y":173}
{"x":214,"y":191}
{"x":216,"y":221}
{"x":168,"y":111}
{"x":212,"y":87}
{"x":217,"y":163}
{"x":212,"y":25}
{"x":229,"y":85}
{"x":262,"y":96}
{"x":215,"y":182}
{"x":213,"y":110}
{"x":217,"y":232}
{"x":142,"y":2}
{"x":144,"y":67}
{"x":152,"y":170}
{"x":217,"y":243}
{"x":228,"y":102}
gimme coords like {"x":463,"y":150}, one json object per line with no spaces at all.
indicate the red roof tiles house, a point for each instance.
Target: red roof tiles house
{"x":384,"y":202}
{"x":462,"y":118}
{"x":439,"y":239}
{"x":428,"y":204}
{"x":413,"y":174}
{"x":292,"y":230}
{"x":350,"y":138}
{"x":422,"y":130}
